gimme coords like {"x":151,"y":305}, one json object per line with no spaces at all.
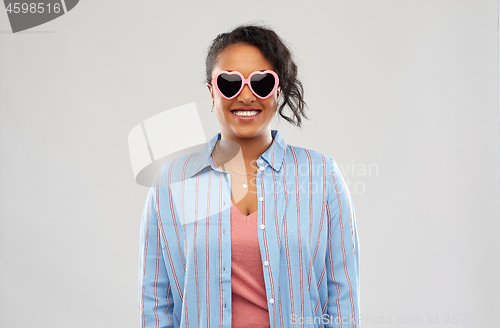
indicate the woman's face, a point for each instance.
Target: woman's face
{"x":245,"y":59}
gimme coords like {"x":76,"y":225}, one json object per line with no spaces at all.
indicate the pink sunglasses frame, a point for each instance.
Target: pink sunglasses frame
{"x":246,"y":81}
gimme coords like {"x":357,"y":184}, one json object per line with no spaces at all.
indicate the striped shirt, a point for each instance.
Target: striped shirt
{"x":306,"y":230}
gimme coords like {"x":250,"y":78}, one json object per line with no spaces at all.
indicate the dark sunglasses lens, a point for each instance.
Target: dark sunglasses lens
{"x":263,"y":84}
{"x":229,"y":84}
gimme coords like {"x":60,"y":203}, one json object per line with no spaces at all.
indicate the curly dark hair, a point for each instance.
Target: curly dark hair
{"x":276,"y":52}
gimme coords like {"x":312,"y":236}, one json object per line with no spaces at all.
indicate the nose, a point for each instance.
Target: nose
{"x":246,"y":95}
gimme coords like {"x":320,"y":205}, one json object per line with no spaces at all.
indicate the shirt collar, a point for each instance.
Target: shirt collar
{"x":274,"y":155}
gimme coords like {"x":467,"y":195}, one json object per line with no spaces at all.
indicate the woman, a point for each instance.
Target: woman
{"x":250,"y":231}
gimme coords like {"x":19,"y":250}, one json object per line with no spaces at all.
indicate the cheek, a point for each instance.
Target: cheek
{"x":222,"y":105}
{"x":219,"y":101}
{"x":271,"y":102}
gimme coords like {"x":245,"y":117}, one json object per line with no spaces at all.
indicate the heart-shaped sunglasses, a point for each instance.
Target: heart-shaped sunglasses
{"x":230,"y":83}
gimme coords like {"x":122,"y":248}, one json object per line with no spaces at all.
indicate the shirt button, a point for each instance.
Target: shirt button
{"x":260,"y":161}
{"x":261,"y":199}
{"x":262,"y":226}
{"x":271,"y":301}
{"x":261,"y":168}
{"x":266,"y":263}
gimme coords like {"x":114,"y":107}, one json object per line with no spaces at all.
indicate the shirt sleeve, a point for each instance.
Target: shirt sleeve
{"x":155,"y":292}
{"x":342,"y":257}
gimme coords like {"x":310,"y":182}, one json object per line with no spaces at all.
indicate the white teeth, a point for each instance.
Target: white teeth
{"x":246,"y":112}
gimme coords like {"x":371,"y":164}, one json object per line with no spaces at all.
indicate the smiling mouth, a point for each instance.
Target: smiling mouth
{"x":246,"y":113}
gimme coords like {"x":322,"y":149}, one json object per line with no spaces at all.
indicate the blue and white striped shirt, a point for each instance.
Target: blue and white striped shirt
{"x":306,"y":230}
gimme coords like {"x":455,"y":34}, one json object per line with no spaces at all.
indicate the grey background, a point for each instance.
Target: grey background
{"x":410,"y":87}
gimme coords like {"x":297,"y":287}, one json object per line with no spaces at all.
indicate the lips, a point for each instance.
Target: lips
{"x":246,"y":109}
{"x":251,"y":114}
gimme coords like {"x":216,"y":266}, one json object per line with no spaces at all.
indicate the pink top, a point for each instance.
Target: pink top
{"x":249,"y":300}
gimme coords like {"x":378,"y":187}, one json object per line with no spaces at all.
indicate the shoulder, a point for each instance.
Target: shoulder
{"x":315,"y":167}
{"x":306,"y":156}
{"x":180,"y":168}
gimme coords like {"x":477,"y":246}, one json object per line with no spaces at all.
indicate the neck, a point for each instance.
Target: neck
{"x":244,"y":150}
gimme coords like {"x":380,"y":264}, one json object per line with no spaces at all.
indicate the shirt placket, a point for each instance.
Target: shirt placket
{"x":263,"y":236}
{"x":226,"y":251}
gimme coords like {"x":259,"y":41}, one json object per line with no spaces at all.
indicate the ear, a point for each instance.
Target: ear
{"x":209,"y":86}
